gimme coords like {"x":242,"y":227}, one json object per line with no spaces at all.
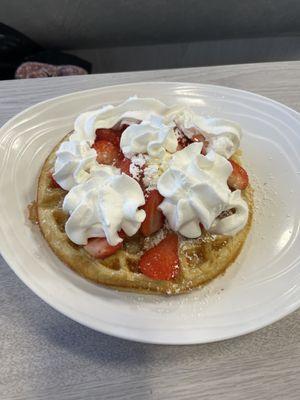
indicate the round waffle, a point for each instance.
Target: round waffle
{"x":201,"y":259}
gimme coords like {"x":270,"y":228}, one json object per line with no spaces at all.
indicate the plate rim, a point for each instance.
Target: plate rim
{"x":131,"y":334}
{"x":246,"y":92}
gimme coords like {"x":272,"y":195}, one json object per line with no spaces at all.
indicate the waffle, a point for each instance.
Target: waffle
{"x":201,"y":259}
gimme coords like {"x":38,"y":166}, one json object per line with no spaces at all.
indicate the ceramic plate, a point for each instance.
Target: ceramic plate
{"x":262,"y":286}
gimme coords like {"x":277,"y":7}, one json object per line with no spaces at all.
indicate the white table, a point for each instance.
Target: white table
{"x":44,"y":355}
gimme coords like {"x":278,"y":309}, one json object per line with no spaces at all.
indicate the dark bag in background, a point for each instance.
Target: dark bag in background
{"x":16,"y":48}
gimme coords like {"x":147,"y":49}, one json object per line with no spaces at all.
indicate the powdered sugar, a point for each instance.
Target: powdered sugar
{"x":148,"y":169}
{"x":137,"y":163}
{"x":151,"y":175}
{"x":135,"y":171}
{"x":155,"y":167}
{"x":154,"y":239}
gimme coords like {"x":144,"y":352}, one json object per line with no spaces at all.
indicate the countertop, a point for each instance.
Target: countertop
{"x":45,"y":355}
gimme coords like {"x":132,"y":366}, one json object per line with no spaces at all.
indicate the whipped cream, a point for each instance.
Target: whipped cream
{"x":101,"y":201}
{"x":103,"y":206}
{"x":74,"y":161}
{"x":75,"y":158}
{"x":232,"y":224}
{"x":195,"y":191}
{"x":224,"y":136}
{"x":151,"y":136}
{"x":133,"y":110}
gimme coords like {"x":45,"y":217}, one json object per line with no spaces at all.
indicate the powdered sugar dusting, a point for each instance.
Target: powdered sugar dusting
{"x":151,"y":175}
{"x":136,"y":167}
{"x":135,"y":171}
{"x":154,"y":239}
{"x":154,"y":169}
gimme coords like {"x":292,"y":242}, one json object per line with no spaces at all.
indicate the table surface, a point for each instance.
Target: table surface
{"x":45,"y":355}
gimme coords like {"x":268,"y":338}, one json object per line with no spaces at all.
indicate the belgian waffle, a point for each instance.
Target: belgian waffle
{"x":201,"y":259}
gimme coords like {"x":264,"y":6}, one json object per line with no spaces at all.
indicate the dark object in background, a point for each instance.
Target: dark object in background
{"x":57,"y":57}
{"x":16,"y":48}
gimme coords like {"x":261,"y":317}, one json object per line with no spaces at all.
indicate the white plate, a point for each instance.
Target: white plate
{"x":260,"y":288}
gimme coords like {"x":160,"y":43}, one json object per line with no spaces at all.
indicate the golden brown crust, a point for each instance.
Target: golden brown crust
{"x":200,"y":259}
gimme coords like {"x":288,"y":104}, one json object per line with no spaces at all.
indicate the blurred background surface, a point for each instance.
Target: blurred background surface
{"x":126,"y":35}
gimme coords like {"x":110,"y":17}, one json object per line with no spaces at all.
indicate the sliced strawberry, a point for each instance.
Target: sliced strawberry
{"x":182,"y":142}
{"x":204,"y":149}
{"x":124,"y":165}
{"x":198,"y":138}
{"x":111,"y":135}
{"x":122,"y":234}
{"x":53,"y":182}
{"x":201,"y":138}
{"x":100,"y":248}
{"x":161,"y":262}
{"x":154,"y":217}
{"x":107,"y":153}
{"x":238,"y":178}
{"x":123,"y":127}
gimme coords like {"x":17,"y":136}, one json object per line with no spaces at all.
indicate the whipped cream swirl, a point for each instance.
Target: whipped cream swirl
{"x":224,"y":136}
{"x":232,"y":224}
{"x":101,"y":201}
{"x":131,"y":111}
{"x":196,"y":191}
{"x":151,"y":136}
{"x":103,"y":206}
{"x":74,"y":161}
